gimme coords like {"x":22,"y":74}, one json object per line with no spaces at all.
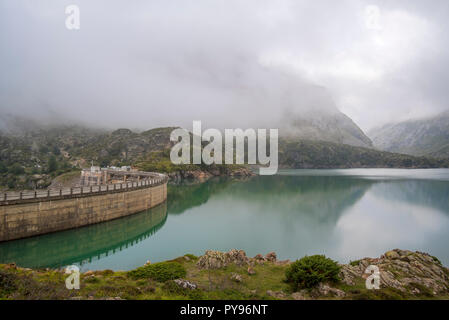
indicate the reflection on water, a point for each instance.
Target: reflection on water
{"x":345,"y":214}
{"x":84,"y":245}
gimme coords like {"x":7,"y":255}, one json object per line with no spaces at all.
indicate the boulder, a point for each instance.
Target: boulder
{"x":402,"y":270}
{"x":271,"y":256}
{"x":237,"y":257}
{"x":325,"y":290}
{"x":185,"y":284}
{"x":236,"y":277}
{"x":259,"y":259}
{"x":392,"y":255}
{"x":276,"y":294}
{"x":301,"y":295}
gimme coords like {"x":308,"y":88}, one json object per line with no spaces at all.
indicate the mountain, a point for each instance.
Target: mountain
{"x":424,"y":137}
{"x":33,"y":156}
{"x":332,"y":126}
{"x":309,"y":112}
{"x":307,"y":154}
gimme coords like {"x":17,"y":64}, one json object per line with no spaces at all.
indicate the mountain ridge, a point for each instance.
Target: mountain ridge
{"x":419,"y":137}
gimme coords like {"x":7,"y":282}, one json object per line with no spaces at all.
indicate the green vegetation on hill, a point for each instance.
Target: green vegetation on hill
{"x":321,"y":154}
{"x":308,"y":272}
{"x":33,"y":157}
{"x":405,"y":275}
{"x":161,"y":271}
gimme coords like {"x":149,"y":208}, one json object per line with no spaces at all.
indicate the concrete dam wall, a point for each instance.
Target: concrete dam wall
{"x":30,"y":216}
{"x":86,"y":244}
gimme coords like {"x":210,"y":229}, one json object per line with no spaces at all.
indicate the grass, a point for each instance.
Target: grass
{"x":17,"y":283}
{"x":216,"y":285}
{"x":161,"y":271}
{"x":69,"y":176}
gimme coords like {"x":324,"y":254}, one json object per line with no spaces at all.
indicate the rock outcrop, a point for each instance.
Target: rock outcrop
{"x":217,"y":259}
{"x":185,"y":284}
{"x":403,"y":270}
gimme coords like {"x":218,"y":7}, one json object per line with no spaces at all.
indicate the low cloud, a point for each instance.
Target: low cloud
{"x":143,"y":64}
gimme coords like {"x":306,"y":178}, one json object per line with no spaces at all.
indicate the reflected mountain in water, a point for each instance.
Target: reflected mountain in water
{"x":83,"y":245}
{"x":426,"y":193}
{"x":322,"y":198}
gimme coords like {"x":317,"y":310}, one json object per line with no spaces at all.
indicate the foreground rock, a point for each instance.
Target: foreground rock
{"x":185,"y":284}
{"x":217,"y":259}
{"x":212,"y":171}
{"x":410,"y":273}
{"x":402,"y":274}
{"x":403,"y":270}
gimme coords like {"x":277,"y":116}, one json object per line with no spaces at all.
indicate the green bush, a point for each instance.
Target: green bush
{"x":52,"y":164}
{"x":354,"y":263}
{"x":308,"y":272}
{"x":17,"y":169}
{"x":7,"y":284}
{"x":161,"y":271}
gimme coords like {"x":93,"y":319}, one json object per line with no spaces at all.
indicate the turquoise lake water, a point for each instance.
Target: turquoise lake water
{"x":345,"y":214}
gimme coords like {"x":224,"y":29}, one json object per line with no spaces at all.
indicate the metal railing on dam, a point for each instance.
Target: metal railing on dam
{"x":29,"y":213}
{"x":15,"y":197}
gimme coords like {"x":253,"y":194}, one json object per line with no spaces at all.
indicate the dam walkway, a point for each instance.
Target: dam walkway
{"x":26,"y":196}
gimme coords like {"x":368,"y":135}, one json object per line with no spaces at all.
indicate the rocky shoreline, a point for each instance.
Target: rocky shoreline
{"x":204,"y":175}
{"x":403,"y":274}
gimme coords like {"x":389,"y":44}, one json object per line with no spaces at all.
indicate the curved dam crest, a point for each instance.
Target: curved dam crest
{"x":26,"y":217}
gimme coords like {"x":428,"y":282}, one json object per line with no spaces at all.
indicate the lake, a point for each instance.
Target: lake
{"x":345,"y":214}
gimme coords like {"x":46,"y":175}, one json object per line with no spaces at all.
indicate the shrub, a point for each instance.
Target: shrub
{"x":52,"y":164}
{"x":7,"y":284}
{"x":161,"y":271}
{"x":308,"y":272}
{"x":17,"y":169}
{"x":354,"y":263}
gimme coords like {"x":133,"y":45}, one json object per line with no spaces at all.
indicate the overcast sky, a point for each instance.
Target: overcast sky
{"x":142,"y":64}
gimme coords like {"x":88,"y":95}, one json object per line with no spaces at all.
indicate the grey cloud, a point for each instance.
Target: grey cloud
{"x":228,"y":63}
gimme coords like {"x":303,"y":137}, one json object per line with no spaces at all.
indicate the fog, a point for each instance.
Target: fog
{"x":233,"y":63}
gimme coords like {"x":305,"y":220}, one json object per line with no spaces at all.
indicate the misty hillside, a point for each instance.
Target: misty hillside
{"x":307,"y":154}
{"x":325,"y":126}
{"x":429,"y":137}
{"x":33,"y":156}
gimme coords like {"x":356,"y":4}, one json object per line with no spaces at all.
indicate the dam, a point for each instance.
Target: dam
{"x":104,"y":194}
{"x":84,"y":245}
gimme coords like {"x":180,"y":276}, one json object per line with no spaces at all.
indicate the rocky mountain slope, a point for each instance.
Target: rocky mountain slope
{"x":331,"y":126}
{"x":308,"y":154}
{"x":32,"y":155}
{"x":424,"y":137}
